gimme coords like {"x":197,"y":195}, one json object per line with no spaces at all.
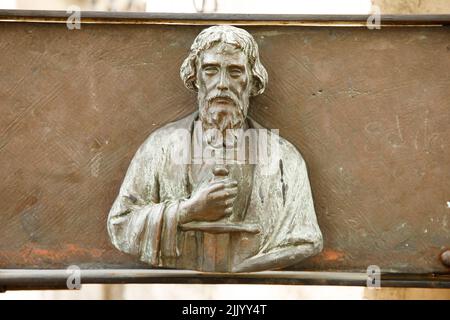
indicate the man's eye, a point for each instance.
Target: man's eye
{"x":210,"y":70}
{"x":235,"y":72}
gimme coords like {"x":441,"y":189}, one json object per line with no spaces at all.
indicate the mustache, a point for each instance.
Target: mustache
{"x":227,"y":96}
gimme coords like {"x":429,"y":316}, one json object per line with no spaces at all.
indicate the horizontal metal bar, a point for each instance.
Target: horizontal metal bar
{"x":20,"y":279}
{"x":97,"y":17}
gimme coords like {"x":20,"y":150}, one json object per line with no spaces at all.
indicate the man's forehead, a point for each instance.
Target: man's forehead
{"x":223,"y":52}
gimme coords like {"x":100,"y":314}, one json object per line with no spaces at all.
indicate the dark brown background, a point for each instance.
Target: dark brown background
{"x":369,"y":110}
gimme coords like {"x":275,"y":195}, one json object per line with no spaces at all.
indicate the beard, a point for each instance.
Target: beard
{"x":224,"y":117}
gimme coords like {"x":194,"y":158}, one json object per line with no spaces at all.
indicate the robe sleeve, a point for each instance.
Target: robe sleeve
{"x":138,"y":223}
{"x":292,"y":232}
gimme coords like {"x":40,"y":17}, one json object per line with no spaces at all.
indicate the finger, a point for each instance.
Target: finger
{"x":224,"y":209}
{"x":224,"y":194}
{"x":224,"y":191}
{"x":226,"y":181}
{"x":231,"y":184}
{"x":216,"y":186}
{"x":230,"y":193}
{"x":224,"y":203}
{"x":229,"y":203}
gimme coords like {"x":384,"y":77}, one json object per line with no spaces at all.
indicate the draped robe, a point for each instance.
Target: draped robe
{"x":144,"y":219}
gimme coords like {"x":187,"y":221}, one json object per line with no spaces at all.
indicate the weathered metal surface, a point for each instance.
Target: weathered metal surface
{"x":368,"y":109}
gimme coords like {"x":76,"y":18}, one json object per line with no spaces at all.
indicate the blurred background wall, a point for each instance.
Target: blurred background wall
{"x":413,"y":6}
{"x":236,"y":6}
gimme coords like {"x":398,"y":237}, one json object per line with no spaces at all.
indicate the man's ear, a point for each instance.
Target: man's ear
{"x":256,"y":86}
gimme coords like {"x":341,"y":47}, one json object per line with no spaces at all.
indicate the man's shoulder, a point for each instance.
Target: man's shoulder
{"x":287,"y":151}
{"x":290,"y":155}
{"x":165,"y":134}
{"x":183,"y":123}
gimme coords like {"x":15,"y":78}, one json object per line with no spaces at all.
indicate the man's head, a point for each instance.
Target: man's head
{"x":223,"y":66}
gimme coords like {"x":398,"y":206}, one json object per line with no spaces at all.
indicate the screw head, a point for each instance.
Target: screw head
{"x":445,"y":257}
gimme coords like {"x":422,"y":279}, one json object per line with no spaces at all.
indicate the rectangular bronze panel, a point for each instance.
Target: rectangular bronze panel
{"x":369,"y":111}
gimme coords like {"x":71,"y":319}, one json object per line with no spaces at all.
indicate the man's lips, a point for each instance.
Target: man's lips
{"x":225,"y":100}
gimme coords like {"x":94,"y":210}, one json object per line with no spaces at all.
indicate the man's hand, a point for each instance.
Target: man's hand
{"x":210,"y":202}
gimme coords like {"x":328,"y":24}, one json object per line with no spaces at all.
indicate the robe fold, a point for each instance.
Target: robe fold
{"x":143,"y":220}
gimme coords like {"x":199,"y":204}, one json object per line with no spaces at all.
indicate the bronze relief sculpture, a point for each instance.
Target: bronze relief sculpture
{"x":215,"y":191}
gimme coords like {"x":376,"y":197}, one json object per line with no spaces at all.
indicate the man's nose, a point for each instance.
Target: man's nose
{"x":223,"y":82}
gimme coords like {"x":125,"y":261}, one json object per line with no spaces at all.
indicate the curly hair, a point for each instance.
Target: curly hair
{"x":230,"y":35}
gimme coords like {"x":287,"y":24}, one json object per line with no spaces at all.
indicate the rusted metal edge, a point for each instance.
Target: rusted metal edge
{"x":27,"y":279}
{"x":97,"y":17}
